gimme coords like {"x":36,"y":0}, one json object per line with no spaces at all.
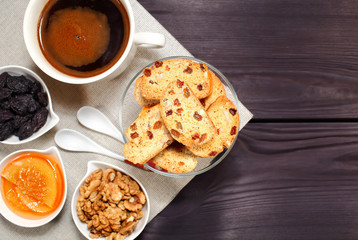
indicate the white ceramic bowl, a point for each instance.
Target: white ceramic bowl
{"x":24,"y":222}
{"x":82,"y":227}
{"x":52,"y":118}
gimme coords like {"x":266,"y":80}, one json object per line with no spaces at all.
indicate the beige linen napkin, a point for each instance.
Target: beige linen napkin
{"x":67,"y":99}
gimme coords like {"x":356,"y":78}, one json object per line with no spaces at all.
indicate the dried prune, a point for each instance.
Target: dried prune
{"x":25,"y":130}
{"x":39,"y":119}
{"x":6,"y":130}
{"x":4,"y":93}
{"x":5,"y":105}
{"x":35,"y":87}
{"x":18,"y":84}
{"x":6,"y":115}
{"x":3,"y":78}
{"x":42,"y":98}
{"x":20,"y":120}
{"x":22,"y":106}
{"x":32,"y":105}
{"x":19,"y":103}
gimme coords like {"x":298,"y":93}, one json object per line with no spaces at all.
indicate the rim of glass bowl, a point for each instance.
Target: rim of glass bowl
{"x":218,"y":158}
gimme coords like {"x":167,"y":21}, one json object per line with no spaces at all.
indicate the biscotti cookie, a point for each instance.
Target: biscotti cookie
{"x":157,"y":77}
{"x":218,"y":90}
{"x":176,"y":159}
{"x":140,"y":99}
{"x":225,"y":117}
{"x":147,"y":135}
{"x":184,"y":116}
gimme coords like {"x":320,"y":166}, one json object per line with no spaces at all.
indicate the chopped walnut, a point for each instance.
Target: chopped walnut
{"x":110,"y":203}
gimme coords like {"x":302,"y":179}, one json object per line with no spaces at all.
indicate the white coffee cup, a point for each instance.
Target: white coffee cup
{"x":30,"y":30}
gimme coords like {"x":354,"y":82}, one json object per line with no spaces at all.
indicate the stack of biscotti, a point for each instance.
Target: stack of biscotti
{"x":185,"y":103}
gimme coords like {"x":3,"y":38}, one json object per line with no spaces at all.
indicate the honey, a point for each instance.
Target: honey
{"x":33,"y":185}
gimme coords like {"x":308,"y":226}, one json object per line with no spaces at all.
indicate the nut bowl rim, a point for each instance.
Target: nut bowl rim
{"x":25,"y":222}
{"x":52,"y":118}
{"x":214,"y":161}
{"x":93,"y":165}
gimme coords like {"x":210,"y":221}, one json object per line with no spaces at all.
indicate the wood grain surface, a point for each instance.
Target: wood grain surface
{"x":291,"y":181}
{"x":276,"y":53}
{"x":293,"y":174}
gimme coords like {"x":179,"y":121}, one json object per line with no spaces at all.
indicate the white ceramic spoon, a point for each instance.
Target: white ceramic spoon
{"x":94,"y":119}
{"x":72,"y":140}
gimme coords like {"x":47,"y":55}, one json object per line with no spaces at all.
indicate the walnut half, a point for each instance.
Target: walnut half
{"x":111,"y":204}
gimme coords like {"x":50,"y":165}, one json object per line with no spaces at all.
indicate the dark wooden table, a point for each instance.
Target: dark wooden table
{"x":293,"y":173}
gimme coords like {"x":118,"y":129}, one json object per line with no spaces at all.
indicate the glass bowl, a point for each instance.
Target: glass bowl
{"x":126,"y":118}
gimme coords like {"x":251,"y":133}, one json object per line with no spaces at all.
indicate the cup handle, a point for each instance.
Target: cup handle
{"x":149,"y":40}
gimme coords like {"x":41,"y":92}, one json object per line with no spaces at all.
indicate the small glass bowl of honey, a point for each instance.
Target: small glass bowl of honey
{"x":33,"y":186}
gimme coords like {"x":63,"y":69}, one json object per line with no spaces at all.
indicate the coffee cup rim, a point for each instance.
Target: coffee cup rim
{"x":30,"y":25}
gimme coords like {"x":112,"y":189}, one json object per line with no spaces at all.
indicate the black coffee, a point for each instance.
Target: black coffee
{"x":83,"y":38}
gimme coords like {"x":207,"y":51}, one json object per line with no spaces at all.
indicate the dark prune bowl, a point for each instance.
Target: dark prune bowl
{"x":52,"y":118}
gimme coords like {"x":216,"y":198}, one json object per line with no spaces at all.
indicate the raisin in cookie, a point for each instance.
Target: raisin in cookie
{"x":147,"y":135}
{"x":157,"y":78}
{"x":184,"y":116}
{"x":176,"y":159}
{"x":140,"y":99}
{"x":225,"y":117}
{"x":218,"y":90}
